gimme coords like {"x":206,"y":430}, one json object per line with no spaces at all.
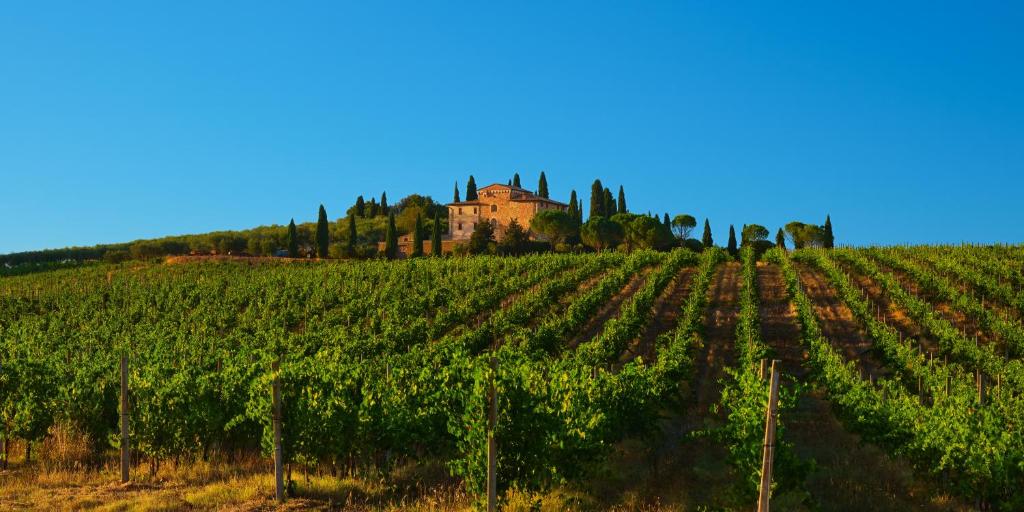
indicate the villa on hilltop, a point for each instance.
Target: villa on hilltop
{"x":499,"y":205}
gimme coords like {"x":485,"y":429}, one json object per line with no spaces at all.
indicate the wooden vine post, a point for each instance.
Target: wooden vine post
{"x":492,"y":447}
{"x":125,"y":451}
{"x":278,"y":454}
{"x":769,"y":439}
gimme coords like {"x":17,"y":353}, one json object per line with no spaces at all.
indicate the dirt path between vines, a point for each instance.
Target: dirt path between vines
{"x":667,"y":309}
{"x":610,"y":309}
{"x":848,"y":474}
{"x":838,"y":324}
{"x":719,"y":334}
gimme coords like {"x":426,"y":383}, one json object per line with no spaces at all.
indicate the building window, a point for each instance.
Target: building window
{"x":494,"y":207}
{"x":460,"y":226}
{"x":460,"y":210}
{"x":474,"y":209}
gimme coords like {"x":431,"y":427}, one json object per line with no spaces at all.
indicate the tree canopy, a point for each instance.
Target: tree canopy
{"x":600,"y":233}
{"x":682,"y":225}
{"x":555,"y":226}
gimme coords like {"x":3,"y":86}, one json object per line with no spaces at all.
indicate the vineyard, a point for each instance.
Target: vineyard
{"x":613,"y":380}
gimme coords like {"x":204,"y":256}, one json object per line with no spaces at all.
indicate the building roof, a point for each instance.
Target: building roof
{"x":528,"y":196}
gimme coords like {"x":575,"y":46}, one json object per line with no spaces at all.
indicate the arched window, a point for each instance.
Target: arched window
{"x":494,"y":207}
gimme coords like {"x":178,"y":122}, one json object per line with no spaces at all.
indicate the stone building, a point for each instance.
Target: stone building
{"x":499,"y":205}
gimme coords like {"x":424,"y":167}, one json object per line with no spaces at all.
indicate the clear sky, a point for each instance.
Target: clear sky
{"x":131,"y":120}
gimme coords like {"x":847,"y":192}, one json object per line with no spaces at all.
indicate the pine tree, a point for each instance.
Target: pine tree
{"x":829,"y":239}
{"x":780,"y":239}
{"x":597,"y":199}
{"x":360,"y":206}
{"x":435,"y":239}
{"x":417,"y":237}
{"x":706,"y":240}
{"x":542,"y":187}
{"x":515,"y":181}
{"x":384,"y":203}
{"x":471,"y":189}
{"x":352,"y":236}
{"x":391,"y":238}
{"x":322,"y":234}
{"x":456,"y":199}
{"x":293,"y":240}
{"x":609,"y":203}
{"x":622,"y":200}
{"x":732,"y":242}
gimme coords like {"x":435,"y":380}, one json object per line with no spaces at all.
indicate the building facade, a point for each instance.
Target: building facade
{"x":499,"y":205}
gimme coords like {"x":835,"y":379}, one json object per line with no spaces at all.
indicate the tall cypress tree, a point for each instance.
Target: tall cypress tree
{"x":573,"y":211}
{"x":323,"y":234}
{"x":435,"y":238}
{"x":384,"y":203}
{"x":780,"y":239}
{"x":515,"y":181}
{"x":597,"y":199}
{"x":360,"y":206}
{"x":542,"y":187}
{"x":829,"y":240}
{"x":666,"y":221}
{"x":293,"y":240}
{"x":471,"y":189}
{"x":417,"y":237}
{"x":609,"y":203}
{"x":391,"y":238}
{"x":622,"y":200}
{"x":352,"y":237}
{"x":732,"y":241}
{"x":456,"y":199}
{"x":706,"y":240}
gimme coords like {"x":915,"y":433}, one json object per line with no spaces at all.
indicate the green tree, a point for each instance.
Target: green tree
{"x":360,"y":206}
{"x":323,"y":236}
{"x":780,"y":239}
{"x":384,"y":203}
{"x":597,"y":199}
{"x":556,"y":226}
{"x":667,"y":223}
{"x":293,"y":240}
{"x":471,"y":189}
{"x":827,"y":239}
{"x":417,"y":237}
{"x":642,"y":231}
{"x":515,"y":181}
{"x":753,"y":233}
{"x":353,"y":236}
{"x":731,"y":248}
{"x":609,"y":203}
{"x":573,"y":210}
{"x":515,"y":239}
{"x":706,"y":239}
{"x":391,"y":238}
{"x":622,"y":200}
{"x":600,"y":233}
{"x":435,"y":238}
{"x":682,"y":225}
{"x":804,"y":235}
{"x":482,"y":237}
{"x":456,"y":198}
{"x":542,"y":187}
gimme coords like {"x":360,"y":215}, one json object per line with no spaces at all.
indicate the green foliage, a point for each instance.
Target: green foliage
{"x":323,"y":239}
{"x":600,"y":233}
{"x":471,"y":189}
{"x":456,"y":198}
{"x":731,"y":247}
{"x":642,"y":232}
{"x":706,"y":239}
{"x":683,"y":225}
{"x":542,"y":186}
{"x":554,"y":225}
{"x":391,"y":238}
{"x":753,"y":233}
{"x":597,"y":200}
{"x":780,"y":239}
{"x":622,"y":201}
{"x":293,"y":240}
{"x":482,"y":238}
{"x":435,"y":239}
{"x":516,"y":182}
{"x":353,"y":236}
{"x":828,"y":240}
{"x":384,"y":209}
{"x":515,"y":239}
{"x":417,"y":237}
{"x":805,"y":235}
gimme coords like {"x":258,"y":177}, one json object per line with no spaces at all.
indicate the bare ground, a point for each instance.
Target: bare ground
{"x":667,"y":309}
{"x":609,"y":309}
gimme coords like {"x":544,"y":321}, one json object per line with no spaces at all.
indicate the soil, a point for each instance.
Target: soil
{"x":667,"y":309}
{"x":609,"y":309}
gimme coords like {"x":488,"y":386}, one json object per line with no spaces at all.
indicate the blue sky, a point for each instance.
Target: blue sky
{"x":123,"y":120}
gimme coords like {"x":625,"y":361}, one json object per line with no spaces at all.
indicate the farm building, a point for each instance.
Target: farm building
{"x":499,"y":205}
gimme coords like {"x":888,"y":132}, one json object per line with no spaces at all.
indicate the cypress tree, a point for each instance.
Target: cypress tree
{"x":542,"y":187}
{"x":706,"y":240}
{"x":322,"y":234}
{"x":597,"y":199}
{"x":417,"y":237}
{"x":456,"y":199}
{"x":471,"y":189}
{"x":515,"y":181}
{"x":666,"y":221}
{"x":579,"y":210}
{"x":384,"y":203}
{"x":352,"y":236}
{"x":609,"y":203}
{"x":293,"y":240}
{"x":829,"y":240}
{"x":622,"y":200}
{"x":732,"y":241}
{"x":435,"y":238}
{"x":360,"y":206}
{"x":391,"y":238}
{"x":510,"y":182}
{"x":573,"y":210}
{"x":780,"y":239}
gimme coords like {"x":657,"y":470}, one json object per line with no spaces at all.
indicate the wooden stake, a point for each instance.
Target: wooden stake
{"x":764,"y":369}
{"x":492,"y":447}
{"x":276,"y":418}
{"x":981,"y":387}
{"x":769,"y":439}
{"x":125,"y":453}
